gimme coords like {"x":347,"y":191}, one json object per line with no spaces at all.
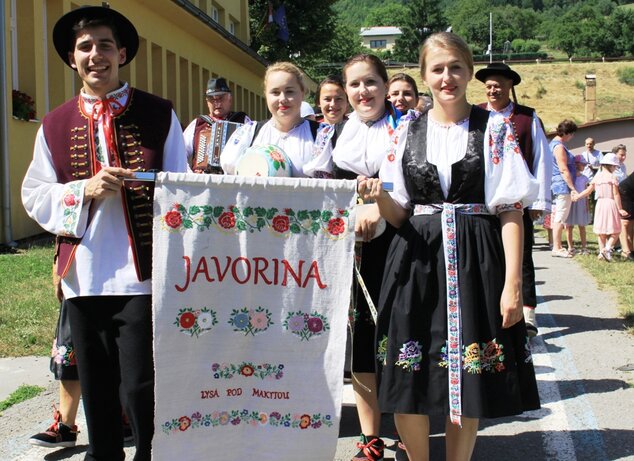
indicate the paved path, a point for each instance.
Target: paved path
{"x":587,"y":403}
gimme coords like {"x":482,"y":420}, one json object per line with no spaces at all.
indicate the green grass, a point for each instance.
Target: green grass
{"x":616,"y":276}
{"x":28,"y":308}
{"x":21,"y":394}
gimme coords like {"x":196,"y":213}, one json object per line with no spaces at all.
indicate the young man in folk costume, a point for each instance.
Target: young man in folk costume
{"x":499,"y":80}
{"x":81,"y":187}
{"x":206,"y":135}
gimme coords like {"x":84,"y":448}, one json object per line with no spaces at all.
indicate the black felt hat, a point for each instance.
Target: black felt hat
{"x":498,"y":68}
{"x":63,"y":34}
{"x":217,"y":86}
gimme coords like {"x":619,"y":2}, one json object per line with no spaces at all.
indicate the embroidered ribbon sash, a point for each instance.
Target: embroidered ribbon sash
{"x":454,"y":328}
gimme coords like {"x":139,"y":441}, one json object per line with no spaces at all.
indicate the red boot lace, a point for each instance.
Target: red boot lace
{"x":373,"y":449}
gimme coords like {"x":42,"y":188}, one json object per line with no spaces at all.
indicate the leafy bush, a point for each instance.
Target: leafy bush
{"x":525,"y":46}
{"x":626,"y":75}
{"x":23,"y":106}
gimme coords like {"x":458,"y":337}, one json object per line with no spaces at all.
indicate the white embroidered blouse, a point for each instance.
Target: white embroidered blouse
{"x":507,"y":178}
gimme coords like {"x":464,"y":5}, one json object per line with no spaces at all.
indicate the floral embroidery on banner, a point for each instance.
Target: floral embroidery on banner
{"x":195,"y":322}
{"x":305,"y":325}
{"x":478,"y":358}
{"x":233,"y":219}
{"x":247,"y":370}
{"x":63,"y":355}
{"x":250,"y":321}
{"x":253,"y":418}
{"x":71,"y":205}
{"x":410,"y":356}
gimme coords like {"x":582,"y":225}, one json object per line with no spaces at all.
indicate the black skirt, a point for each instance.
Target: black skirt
{"x":373,"y":255}
{"x":63,"y":361}
{"x":498,"y":378}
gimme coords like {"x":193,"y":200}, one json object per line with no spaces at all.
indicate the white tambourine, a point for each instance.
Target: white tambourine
{"x":380,"y":227}
{"x":266,"y":160}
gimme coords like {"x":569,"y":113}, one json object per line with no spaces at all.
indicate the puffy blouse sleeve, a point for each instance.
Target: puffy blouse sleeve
{"x":238,"y":143}
{"x":509,"y":184}
{"x":59,"y":208}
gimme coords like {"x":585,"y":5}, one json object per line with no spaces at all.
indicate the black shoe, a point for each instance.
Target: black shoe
{"x":400,"y":454}
{"x":58,"y":435}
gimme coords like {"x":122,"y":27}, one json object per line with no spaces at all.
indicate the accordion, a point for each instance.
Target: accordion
{"x":211,"y":140}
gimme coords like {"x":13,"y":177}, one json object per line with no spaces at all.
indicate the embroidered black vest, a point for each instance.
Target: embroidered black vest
{"x":467,"y":175}
{"x":140,"y":130}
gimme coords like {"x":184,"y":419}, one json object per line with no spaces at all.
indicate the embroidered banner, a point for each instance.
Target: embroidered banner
{"x":251,"y":288}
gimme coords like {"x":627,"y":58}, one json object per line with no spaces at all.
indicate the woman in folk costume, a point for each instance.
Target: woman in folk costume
{"x":450,"y":333}
{"x":300,"y":139}
{"x":361,"y":147}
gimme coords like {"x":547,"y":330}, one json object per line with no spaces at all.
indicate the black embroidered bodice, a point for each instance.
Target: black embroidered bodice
{"x":467,"y":175}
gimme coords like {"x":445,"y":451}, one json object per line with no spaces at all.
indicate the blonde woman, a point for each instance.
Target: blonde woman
{"x":302,"y":140}
{"x":451,"y":335}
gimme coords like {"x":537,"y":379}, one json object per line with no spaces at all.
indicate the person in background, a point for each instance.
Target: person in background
{"x":608,"y":212}
{"x":332,"y":100}
{"x":621,"y":154}
{"x":579,"y":210}
{"x":361,"y":147}
{"x":499,"y":82}
{"x":563,"y":185}
{"x":593,"y":158}
{"x":451,"y":338}
{"x":305,"y":141}
{"x":626,"y":189}
{"x":86,"y":194}
{"x":402,"y":92}
{"x":627,"y":224}
{"x":219,"y":102}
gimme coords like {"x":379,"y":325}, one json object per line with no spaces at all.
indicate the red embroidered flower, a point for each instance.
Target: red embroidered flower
{"x":305,"y":421}
{"x":187,"y":320}
{"x":496,"y":160}
{"x":185,"y":422}
{"x":69,"y":200}
{"x":247,"y":370}
{"x":391,"y":157}
{"x":173,"y":219}
{"x":288,"y":211}
{"x":336,"y":226}
{"x":280,"y":223}
{"x":227,"y":220}
{"x":315,"y":324}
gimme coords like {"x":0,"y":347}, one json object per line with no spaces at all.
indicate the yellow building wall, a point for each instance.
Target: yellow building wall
{"x":178,"y":53}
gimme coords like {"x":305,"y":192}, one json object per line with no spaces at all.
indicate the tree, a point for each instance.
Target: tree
{"x":310,"y":24}
{"x":621,"y":25}
{"x":393,"y":14}
{"x":345,"y":42}
{"x":424,"y":17}
{"x":470,"y":20}
{"x":582,"y":30}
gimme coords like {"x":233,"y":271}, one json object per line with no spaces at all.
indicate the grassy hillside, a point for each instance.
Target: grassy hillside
{"x":556,"y":90}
